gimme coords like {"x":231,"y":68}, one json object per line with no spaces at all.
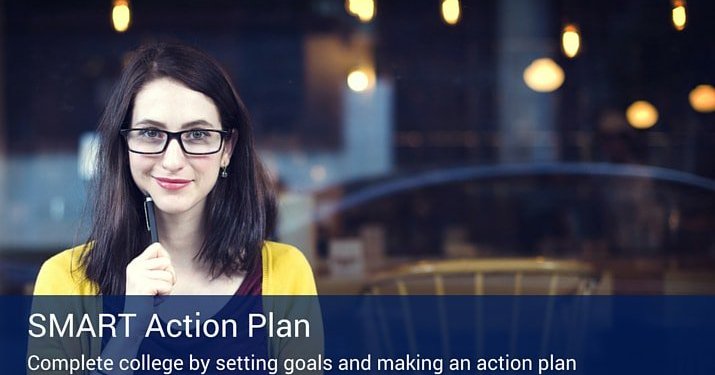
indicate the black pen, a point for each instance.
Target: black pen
{"x":150,"y":216}
{"x":151,"y":219}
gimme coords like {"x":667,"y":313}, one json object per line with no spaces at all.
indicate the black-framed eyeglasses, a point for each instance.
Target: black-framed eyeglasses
{"x":151,"y":141}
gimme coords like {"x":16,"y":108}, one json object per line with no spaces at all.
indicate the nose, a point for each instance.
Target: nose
{"x":174,"y":158}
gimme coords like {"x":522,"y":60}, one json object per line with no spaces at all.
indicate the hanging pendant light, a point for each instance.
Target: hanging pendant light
{"x":679,"y":14}
{"x":451,"y":12}
{"x":121,"y":15}
{"x":570,"y":40}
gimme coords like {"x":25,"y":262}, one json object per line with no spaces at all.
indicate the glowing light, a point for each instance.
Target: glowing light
{"x":318,"y":173}
{"x":702,"y":98}
{"x":121,"y":15}
{"x":641,"y":115}
{"x":451,"y":11}
{"x":543,"y":75}
{"x":570,"y":41}
{"x":364,"y":10}
{"x":679,"y":15}
{"x":359,"y":80}
{"x":352,"y":6}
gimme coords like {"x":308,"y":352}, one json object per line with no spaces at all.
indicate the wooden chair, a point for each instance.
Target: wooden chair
{"x":478,"y":277}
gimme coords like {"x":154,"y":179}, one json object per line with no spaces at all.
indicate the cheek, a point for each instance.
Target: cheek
{"x":139,"y":165}
{"x":207,"y":168}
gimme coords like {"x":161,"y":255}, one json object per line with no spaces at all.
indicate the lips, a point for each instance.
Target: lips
{"x":172,"y":183}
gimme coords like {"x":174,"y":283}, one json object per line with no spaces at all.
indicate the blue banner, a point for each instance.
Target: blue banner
{"x":359,"y":334}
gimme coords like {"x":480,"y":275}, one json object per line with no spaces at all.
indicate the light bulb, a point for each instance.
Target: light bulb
{"x":702,"y":98}
{"x":364,"y":10}
{"x":570,"y":41}
{"x":679,"y":15}
{"x":543,"y":75}
{"x":359,"y":80}
{"x":451,"y":11}
{"x":121,"y":15}
{"x":641,"y":115}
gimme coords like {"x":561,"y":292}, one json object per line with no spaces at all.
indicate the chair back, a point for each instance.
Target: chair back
{"x":501,"y":276}
{"x":504,"y":276}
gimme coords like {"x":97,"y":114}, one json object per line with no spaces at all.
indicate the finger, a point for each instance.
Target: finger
{"x":155,"y":264}
{"x":152,"y":251}
{"x":171,"y":270}
{"x":162,"y":288}
{"x":160,"y":275}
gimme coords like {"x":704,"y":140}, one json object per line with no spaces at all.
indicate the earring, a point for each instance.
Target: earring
{"x":224,"y":174}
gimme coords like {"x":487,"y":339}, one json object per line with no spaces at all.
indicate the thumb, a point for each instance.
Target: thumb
{"x":152,"y":251}
{"x":161,"y":251}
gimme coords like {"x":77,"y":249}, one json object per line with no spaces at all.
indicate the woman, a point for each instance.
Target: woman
{"x":175,"y":129}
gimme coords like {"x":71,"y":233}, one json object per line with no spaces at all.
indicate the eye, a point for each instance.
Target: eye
{"x":198,"y":134}
{"x":149,"y":133}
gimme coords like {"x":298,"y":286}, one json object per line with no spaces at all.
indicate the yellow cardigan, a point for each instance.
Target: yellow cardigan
{"x":286,"y":272}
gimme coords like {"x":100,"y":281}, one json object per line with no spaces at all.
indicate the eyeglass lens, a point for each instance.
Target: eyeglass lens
{"x":198,"y":141}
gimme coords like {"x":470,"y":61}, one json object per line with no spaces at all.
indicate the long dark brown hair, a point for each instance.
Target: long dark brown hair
{"x":240,"y":210}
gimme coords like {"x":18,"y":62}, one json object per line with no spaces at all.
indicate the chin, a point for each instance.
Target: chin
{"x":171,"y":209}
{"x":174,"y":205}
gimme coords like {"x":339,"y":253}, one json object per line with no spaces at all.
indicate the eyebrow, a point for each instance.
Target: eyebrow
{"x":183,"y":126}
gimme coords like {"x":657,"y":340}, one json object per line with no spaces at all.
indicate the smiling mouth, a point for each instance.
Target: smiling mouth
{"x":171,"y":183}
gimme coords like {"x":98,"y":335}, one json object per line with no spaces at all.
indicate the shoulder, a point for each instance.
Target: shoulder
{"x":63,"y":274}
{"x":286,"y":271}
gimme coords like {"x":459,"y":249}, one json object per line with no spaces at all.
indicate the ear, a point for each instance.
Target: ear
{"x":229,"y":146}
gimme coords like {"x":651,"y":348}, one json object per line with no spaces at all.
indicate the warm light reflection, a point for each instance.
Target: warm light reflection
{"x":318,"y":173}
{"x":451,"y":11}
{"x":359,"y":80}
{"x":702,"y":98}
{"x":362,"y":9}
{"x":543,"y":75}
{"x":570,"y":40}
{"x":641,"y":115}
{"x":121,"y":15}
{"x":679,"y":15}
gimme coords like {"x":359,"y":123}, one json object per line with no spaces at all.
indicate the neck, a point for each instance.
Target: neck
{"x":181,"y":235}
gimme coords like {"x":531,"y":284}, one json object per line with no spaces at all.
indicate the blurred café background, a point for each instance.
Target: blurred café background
{"x":402,"y":132}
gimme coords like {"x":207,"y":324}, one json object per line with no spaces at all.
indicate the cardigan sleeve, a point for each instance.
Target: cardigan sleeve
{"x":61,"y":288}
{"x":286,"y":272}
{"x":289,"y":291}
{"x":62,"y":274}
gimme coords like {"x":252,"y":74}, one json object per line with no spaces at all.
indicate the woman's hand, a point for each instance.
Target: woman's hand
{"x":151,"y":273}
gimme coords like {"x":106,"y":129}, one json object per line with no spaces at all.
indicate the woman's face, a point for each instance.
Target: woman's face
{"x":178,"y":183}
